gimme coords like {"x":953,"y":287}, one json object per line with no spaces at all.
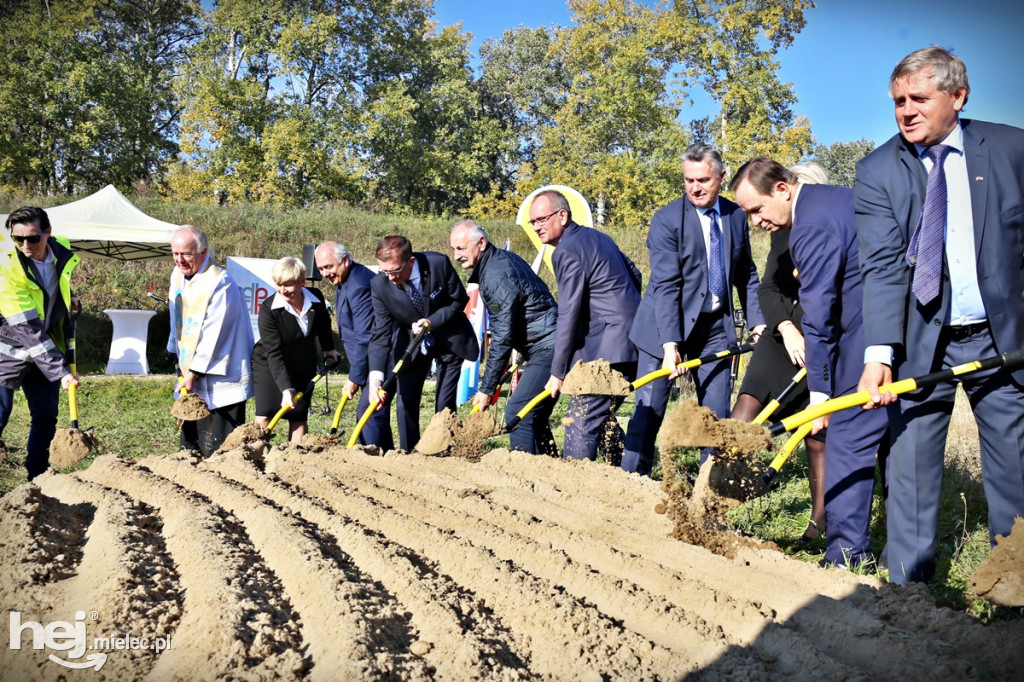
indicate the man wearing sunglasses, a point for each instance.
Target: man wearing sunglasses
{"x":35,"y":327}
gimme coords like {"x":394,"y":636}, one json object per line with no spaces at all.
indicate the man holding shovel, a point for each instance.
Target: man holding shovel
{"x":523,"y":315}
{"x":212,"y":339}
{"x":940,"y":219}
{"x":823,"y":244}
{"x":35,"y":327}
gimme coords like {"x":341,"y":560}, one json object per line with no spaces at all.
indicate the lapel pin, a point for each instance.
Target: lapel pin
{"x":979,"y":179}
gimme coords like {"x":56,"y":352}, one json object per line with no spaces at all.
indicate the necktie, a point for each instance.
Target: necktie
{"x":417,"y":299}
{"x":716,"y":269}
{"x":929,"y":239}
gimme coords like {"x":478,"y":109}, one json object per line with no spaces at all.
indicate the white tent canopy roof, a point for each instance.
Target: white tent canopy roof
{"x":107,"y":225}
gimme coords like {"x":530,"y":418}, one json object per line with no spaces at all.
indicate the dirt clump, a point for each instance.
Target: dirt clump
{"x":692,"y":425}
{"x":246,"y":433}
{"x":447,"y":434}
{"x":1000,"y":577}
{"x":595,"y":378}
{"x":190,"y":407}
{"x":71,"y":446}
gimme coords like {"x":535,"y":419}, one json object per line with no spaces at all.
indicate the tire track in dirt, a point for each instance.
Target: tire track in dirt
{"x":642,"y":594}
{"x":466,"y":640}
{"x":568,"y":637}
{"x":348,"y":624}
{"x":236,"y":616}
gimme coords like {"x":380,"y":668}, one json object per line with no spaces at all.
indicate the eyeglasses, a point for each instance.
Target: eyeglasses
{"x":396,"y":270}
{"x":544,"y":219}
{"x":31,"y":239}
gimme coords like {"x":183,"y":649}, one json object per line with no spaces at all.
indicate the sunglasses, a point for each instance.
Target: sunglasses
{"x":31,"y":239}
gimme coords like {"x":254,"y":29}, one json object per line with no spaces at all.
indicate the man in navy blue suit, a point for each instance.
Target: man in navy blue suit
{"x":699,"y":250}
{"x":413,"y":292}
{"x":355,"y":319}
{"x":598,"y":290}
{"x":823,"y":245}
{"x":940,"y":219}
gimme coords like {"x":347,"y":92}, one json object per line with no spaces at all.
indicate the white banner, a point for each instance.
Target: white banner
{"x":253,"y":275}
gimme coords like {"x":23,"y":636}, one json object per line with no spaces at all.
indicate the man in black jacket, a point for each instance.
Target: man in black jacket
{"x":411,"y":292}
{"x":523,"y":315}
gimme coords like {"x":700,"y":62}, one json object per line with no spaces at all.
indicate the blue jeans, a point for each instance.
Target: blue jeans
{"x":533,"y":433}
{"x":43,"y":397}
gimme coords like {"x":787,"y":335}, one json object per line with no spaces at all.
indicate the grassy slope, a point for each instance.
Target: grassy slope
{"x":131,"y":415}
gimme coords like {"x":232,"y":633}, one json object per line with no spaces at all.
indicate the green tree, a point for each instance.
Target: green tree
{"x":730,"y":49}
{"x":617,"y":138}
{"x":839,"y":160}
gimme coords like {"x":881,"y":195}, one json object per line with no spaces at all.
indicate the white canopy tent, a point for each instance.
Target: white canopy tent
{"x":107,"y":225}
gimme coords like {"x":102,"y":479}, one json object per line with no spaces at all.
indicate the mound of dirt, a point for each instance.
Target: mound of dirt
{"x":343,"y":565}
{"x":244,"y":434}
{"x":447,"y":434}
{"x":690,"y":424}
{"x":1000,"y":577}
{"x":595,"y":378}
{"x":190,"y":407}
{"x":70,"y":446}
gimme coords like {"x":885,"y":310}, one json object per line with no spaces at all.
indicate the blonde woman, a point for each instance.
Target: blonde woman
{"x":285,"y":358}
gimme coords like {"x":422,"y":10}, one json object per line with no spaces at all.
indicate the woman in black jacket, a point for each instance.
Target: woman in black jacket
{"x":285,"y":358}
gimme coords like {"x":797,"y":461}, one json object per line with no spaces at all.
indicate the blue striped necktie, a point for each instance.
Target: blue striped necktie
{"x":716,"y":269}
{"x":929,"y":240}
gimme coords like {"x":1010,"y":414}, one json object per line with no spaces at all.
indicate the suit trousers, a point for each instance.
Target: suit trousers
{"x":377,"y":429}
{"x":919,"y":423}
{"x":533,"y":433}
{"x":854,"y":439}
{"x":711,"y":381}
{"x":410,"y":392}
{"x":592,"y":420}
{"x":43,"y":398}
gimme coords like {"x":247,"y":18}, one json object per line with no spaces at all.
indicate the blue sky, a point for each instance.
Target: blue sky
{"x":840,"y":63}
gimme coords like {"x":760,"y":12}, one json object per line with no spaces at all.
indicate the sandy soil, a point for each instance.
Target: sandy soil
{"x":322,"y":562}
{"x":190,"y":407}
{"x":70,"y":446}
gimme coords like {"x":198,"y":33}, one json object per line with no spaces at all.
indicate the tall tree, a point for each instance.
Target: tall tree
{"x":839,"y":160}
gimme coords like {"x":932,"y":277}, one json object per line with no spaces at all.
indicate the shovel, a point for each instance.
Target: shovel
{"x":71,"y":446}
{"x":689,"y":364}
{"x":308,"y":390}
{"x":497,"y":391}
{"x":389,"y":385}
{"x":803,"y":419}
{"x":337,"y":414}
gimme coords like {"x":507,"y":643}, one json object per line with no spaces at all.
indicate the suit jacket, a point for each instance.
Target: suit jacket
{"x":394,"y":313}
{"x":290,"y":355}
{"x":890,"y":191}
{"x":823,"y":243}
{"x":598,"y":293}
{"x":354,"y":308}
{"x":679,"y":274}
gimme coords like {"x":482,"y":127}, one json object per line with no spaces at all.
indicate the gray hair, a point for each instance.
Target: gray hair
{"x":950,"y":71}
{"x":810,"y":173}
{"x":337,"y":248}
{"x":202,"y":243}
{"x":473,"y":231}
{"x":701,"y":152}
{"x":558,"y":199}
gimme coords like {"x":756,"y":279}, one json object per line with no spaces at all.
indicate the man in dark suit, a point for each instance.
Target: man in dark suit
{"x":413,"y":291}
{"x":354,"y":309}
{"x":940,"y":219}
{"x":823,"y":244}
{"x":598,"y":291}
{"x":699,"y":250}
